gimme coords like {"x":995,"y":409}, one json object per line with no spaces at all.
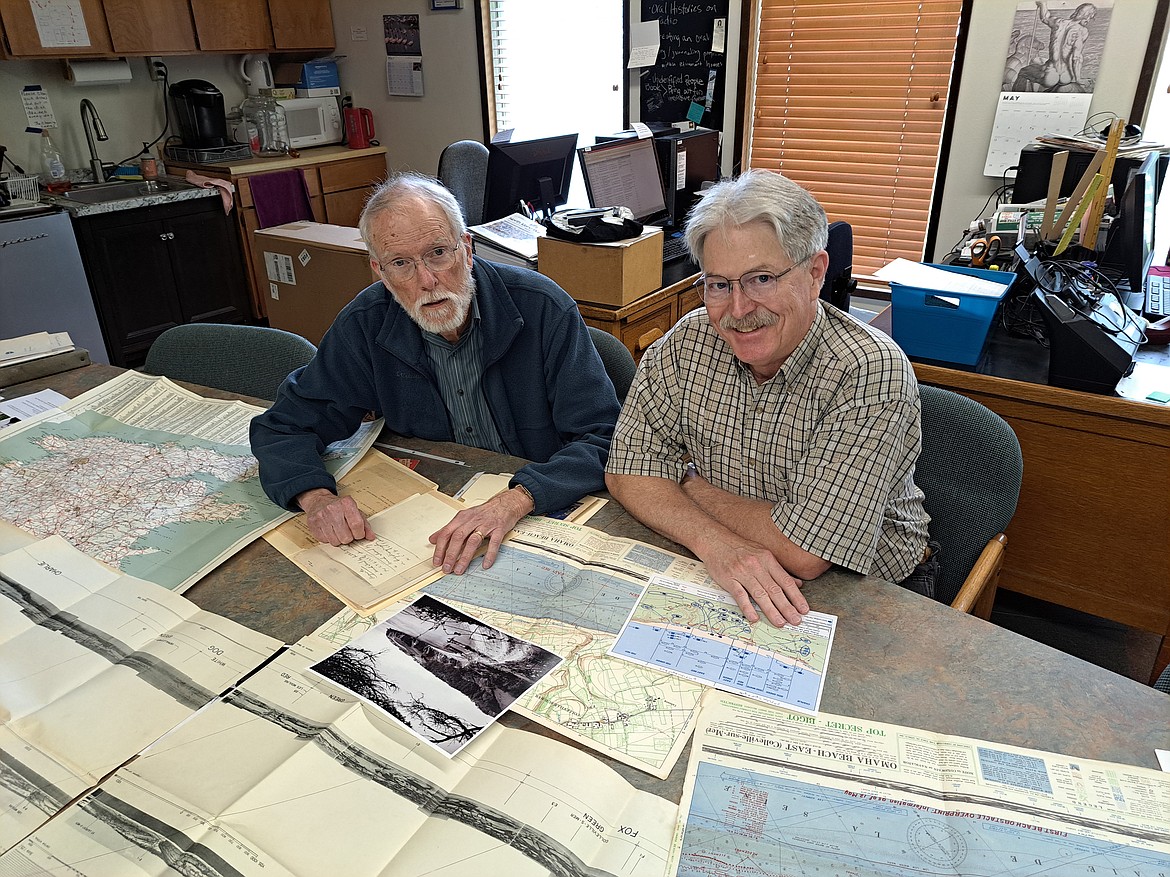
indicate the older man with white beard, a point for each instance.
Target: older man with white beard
{"x":446,"y":347}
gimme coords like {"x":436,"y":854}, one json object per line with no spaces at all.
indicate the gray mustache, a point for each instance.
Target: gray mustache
{"x":749,"y":322}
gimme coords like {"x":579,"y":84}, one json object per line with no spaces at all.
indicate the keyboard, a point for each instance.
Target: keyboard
{"x":1157,"y":296}
{"x":673,"y":248}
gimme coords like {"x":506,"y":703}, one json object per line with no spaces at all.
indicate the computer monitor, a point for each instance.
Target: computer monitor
{"x":1131,"y":240}
{"x":624,"y":173}
{"x":536,"y":171}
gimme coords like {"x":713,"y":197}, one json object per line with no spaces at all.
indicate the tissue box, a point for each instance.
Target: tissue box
{"x":611,"y":274}
{"x":310,"y":78}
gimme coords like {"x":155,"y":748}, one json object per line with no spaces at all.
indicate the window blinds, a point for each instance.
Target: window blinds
{"x":847,"y":97}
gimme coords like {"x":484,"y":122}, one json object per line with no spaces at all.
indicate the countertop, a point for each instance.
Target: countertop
{"x":314,"y":155}
{"x":169,"y":196}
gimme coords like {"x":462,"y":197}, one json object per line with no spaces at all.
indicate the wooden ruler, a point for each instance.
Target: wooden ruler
{"x":1074,"y":200}
{"x":1089,"y":240}
{"x":1055,"y":178}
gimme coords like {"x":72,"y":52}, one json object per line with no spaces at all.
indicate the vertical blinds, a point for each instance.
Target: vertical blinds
{"x":494,"y":14}
{"x":848,"y":99}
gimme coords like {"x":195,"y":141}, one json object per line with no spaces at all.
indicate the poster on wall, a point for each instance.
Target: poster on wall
{"x":404,"y":68}
{"x":1049,"y":75}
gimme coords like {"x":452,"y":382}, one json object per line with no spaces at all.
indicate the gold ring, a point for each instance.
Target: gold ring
{"x":479,"y":534}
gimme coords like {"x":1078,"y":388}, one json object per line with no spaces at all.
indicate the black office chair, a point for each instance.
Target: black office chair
{"x":970,"y":471}
{"x":250,"y":360}
{"x":839,"y":284}
{"x":463,"y":169}
{"x":617,"y":359}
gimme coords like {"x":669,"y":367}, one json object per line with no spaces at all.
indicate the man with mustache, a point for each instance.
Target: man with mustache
{"x":451,"y":348}
{"x":771,"y":433}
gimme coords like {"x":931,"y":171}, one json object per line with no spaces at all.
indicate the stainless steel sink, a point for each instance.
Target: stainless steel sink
{"x":102,"y":193}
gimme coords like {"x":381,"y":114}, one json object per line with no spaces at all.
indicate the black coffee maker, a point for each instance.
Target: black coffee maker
{"x":200,"y":114}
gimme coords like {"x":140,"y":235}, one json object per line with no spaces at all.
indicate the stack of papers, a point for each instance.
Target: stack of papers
{"x":916,"y":274}
{"x":35,"y":346}
{"x":511,"y":240}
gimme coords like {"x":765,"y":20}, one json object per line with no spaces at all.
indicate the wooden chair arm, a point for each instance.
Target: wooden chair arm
{"x":977,"y":596}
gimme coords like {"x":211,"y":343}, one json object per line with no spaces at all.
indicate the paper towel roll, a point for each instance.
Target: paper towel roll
{"x":99,"y":72}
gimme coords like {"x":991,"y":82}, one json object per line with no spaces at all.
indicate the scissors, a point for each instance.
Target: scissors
{"x":985,"y":250}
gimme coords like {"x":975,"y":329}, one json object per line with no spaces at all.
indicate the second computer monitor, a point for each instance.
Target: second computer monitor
{"x":537,"y":172}
{"x":624,"y":173}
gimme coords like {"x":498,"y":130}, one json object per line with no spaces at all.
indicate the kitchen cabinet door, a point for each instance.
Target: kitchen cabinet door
{"x":151,"y":268}
{"x":50,"y":36}
{"x":301,"y":24}
{"x":209,"y":275}
{"x":151,"y":27}
{"x":129,"y":268}
{"x":232,"y":25}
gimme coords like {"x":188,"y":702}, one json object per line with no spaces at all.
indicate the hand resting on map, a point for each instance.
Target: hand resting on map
{"x":457,"y":543}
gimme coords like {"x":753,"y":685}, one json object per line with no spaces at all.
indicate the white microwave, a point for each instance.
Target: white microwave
{"x":312,"y":121}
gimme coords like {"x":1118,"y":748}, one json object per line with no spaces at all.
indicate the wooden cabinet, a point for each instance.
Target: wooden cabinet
{"x":257,"y":25}
{"x":151,"y":268}
{"x":640,"y":323}
{"x":55,"y":34}
{"x":338,"y":181}
{"x":232,"y":25}
{"x":301,"y":24}
{"x":150,"y":27}
{"x":164,"y":27}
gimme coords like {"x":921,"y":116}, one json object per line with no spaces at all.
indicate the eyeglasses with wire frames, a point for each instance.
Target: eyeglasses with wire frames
{"x":438,"y":258}
{"x":756,"y":285}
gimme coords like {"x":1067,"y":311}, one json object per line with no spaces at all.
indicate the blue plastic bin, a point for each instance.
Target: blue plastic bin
{"x":929,"y":324}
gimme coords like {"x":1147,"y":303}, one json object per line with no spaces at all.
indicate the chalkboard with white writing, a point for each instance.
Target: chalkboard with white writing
{"x":687,"y":69}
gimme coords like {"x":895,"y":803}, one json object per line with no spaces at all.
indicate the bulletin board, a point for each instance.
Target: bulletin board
{"x":686,"y":69}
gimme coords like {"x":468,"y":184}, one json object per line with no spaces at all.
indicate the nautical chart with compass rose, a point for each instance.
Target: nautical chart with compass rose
{"x":936,"y":842}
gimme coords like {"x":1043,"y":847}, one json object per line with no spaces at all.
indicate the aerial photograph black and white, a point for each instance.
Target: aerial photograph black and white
{"x":443,"y":674}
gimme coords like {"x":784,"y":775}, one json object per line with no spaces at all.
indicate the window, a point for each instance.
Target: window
{"x":848,"y":97}
{"x":556,"y":67}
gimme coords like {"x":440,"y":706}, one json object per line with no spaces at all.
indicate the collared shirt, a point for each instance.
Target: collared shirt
{"x":830,"y":440}
{"x":459,"y":370}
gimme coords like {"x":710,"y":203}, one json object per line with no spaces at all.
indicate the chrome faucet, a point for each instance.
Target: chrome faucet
{"x":99,"y":130}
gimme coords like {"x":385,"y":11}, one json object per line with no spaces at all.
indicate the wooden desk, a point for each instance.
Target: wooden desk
{"x":642,"y":322}
{"x":897,"y":658}
{"x":1092,"y":528}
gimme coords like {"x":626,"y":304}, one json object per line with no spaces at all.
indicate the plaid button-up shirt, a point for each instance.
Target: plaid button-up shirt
{"x":830,"y":440}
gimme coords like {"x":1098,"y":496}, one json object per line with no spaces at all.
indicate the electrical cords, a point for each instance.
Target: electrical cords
{"x":166,"y":117}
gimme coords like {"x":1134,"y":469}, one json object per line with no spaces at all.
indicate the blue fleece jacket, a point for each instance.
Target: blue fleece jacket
{"x":545,"y":386}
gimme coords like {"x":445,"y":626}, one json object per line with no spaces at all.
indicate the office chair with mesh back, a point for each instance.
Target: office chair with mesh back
{"x":970,"y":471}
{"x":617,"y":359}
{"x":463,"y":169}
{"x":1163,"y":681}
{"x":250,"y":360}
{"x":839,"y":284}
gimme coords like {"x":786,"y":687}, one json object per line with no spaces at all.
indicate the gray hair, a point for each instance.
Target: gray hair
{"x":760,"y":195}
{"x":403,"y":186}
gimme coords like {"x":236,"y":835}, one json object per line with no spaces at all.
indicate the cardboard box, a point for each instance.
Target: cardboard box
{"x":310,"y":271}
{"x":321,"y":73}
{"x":611,"y":274}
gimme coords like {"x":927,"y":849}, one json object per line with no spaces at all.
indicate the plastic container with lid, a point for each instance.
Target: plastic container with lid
{"x":263,"y":114}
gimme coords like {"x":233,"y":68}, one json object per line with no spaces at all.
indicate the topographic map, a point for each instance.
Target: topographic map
{"x":699,"y":632}
{"x":773,"y":793}
{"x":745,"y":823}
{"x":143,"y":475}
{"x":637,"y":715}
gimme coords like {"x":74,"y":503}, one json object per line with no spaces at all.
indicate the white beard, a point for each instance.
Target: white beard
{"x":459,"y":304}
